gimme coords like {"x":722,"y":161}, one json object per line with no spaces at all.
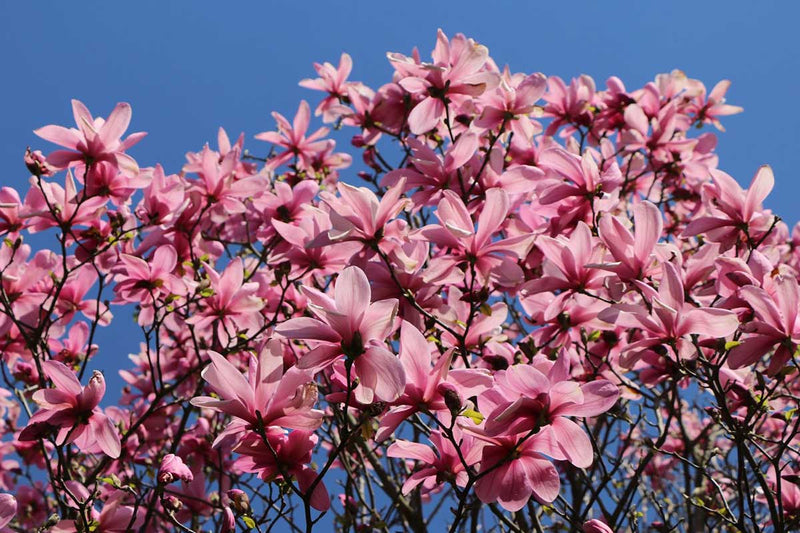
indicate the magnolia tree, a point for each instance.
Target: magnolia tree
{"x":540,"y":307}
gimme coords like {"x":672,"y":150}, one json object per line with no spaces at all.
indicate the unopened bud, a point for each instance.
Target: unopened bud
{"x":171,"y":503}
{"x":240,"y":502}
{"x":451,"y":398}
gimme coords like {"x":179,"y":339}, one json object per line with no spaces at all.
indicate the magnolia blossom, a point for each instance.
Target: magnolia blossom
{"x":73,"y":411}
{"x":349,"y":325}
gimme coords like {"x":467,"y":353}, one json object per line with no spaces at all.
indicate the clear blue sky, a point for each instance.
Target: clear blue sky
{"x":188,"y":67}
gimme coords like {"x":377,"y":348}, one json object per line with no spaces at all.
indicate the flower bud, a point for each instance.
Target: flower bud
{"x":240,"y":502}
{"x":173,"y":468}
{"x":171,"y":504}
{"x":596,"y":526}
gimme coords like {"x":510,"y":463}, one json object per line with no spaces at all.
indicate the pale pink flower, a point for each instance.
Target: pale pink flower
{"x":734,"y":214}
{"x":233,"y":307}
{"x":96,"y":139}
{"x":292,"y":137}
{"x":457,"y":69}
{"x":265,"y":397}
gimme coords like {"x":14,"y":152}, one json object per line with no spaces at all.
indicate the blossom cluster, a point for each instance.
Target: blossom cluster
{"x":537,"y":301}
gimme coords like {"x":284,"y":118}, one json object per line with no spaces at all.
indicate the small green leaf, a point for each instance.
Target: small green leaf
{"x":249,"y":522}
{"x":473,"y":415}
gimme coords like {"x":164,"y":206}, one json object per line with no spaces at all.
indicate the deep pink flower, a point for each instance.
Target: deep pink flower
{"x":514,"y":470}
{"x":288,"y":453}
{"x":173,"y":468}
{"x":776,"y":324}
{"x":428,"y":384}
{"x":349,"y":324}
{"x":671,"y":321}
{"x":8,"y":509}
{"x":526,"y":399}
{"x":441,"y":461}
{"x":73,"y":411}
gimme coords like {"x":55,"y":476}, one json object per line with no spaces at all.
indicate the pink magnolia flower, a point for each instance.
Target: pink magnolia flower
{"x":233,"y":306}
{"x":286,"y":454}
{"x":734,"y":213}
{"x":493,"y":259}
{"x":302,"y":255}
{"x":429,"y":387}
{"x":148,"y":282}
{"x":710,"y":109}
{"x":348,"y":324}
{"x":671,"y":319}
{"x":775,"y":324}
{"x":10,"y":220}
{"x":96,"y":139}
{"x":358,"y":215}
{"x":526,"y":399}
{"x":457,"y":69}
{"x":266,"y":396}
{"x":333,"y":81}
{"x":513,"y":470}
{"x":73,"y":410}
{"x":512,"y":101}
{"x":569,"y":105}
{"x":114,"y":517}
{"x":665,"y":141}
{"x":164,"y":198}
{"x":632,"y":252}
{"x":53,"y":205}
{"x":442,"y":462}
{"x":72,"y":298}
{"x":293,"y":138}
{"x":173,"y":468}
{"x":566,"y":266}
{"x":577,"y":177}
{"x":430,"y":173}
{"x":596,"y":526}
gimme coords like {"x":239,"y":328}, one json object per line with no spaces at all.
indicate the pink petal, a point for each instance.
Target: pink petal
{"x":105,"y":434}
{"x":760,"y":187}
{"x":116,"y":124}
{"x":426,"y":115}
{"x":352,"y":294}
{"x":308,"y":328}
{"x":62,"y":377}
{"x":59,"y":135}
{"x":573,"y":441}
{"x":380,"y":371}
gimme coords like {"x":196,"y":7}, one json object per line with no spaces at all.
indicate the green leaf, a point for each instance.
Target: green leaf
{"x":249,"y":522}
{"x":473,"y":415}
